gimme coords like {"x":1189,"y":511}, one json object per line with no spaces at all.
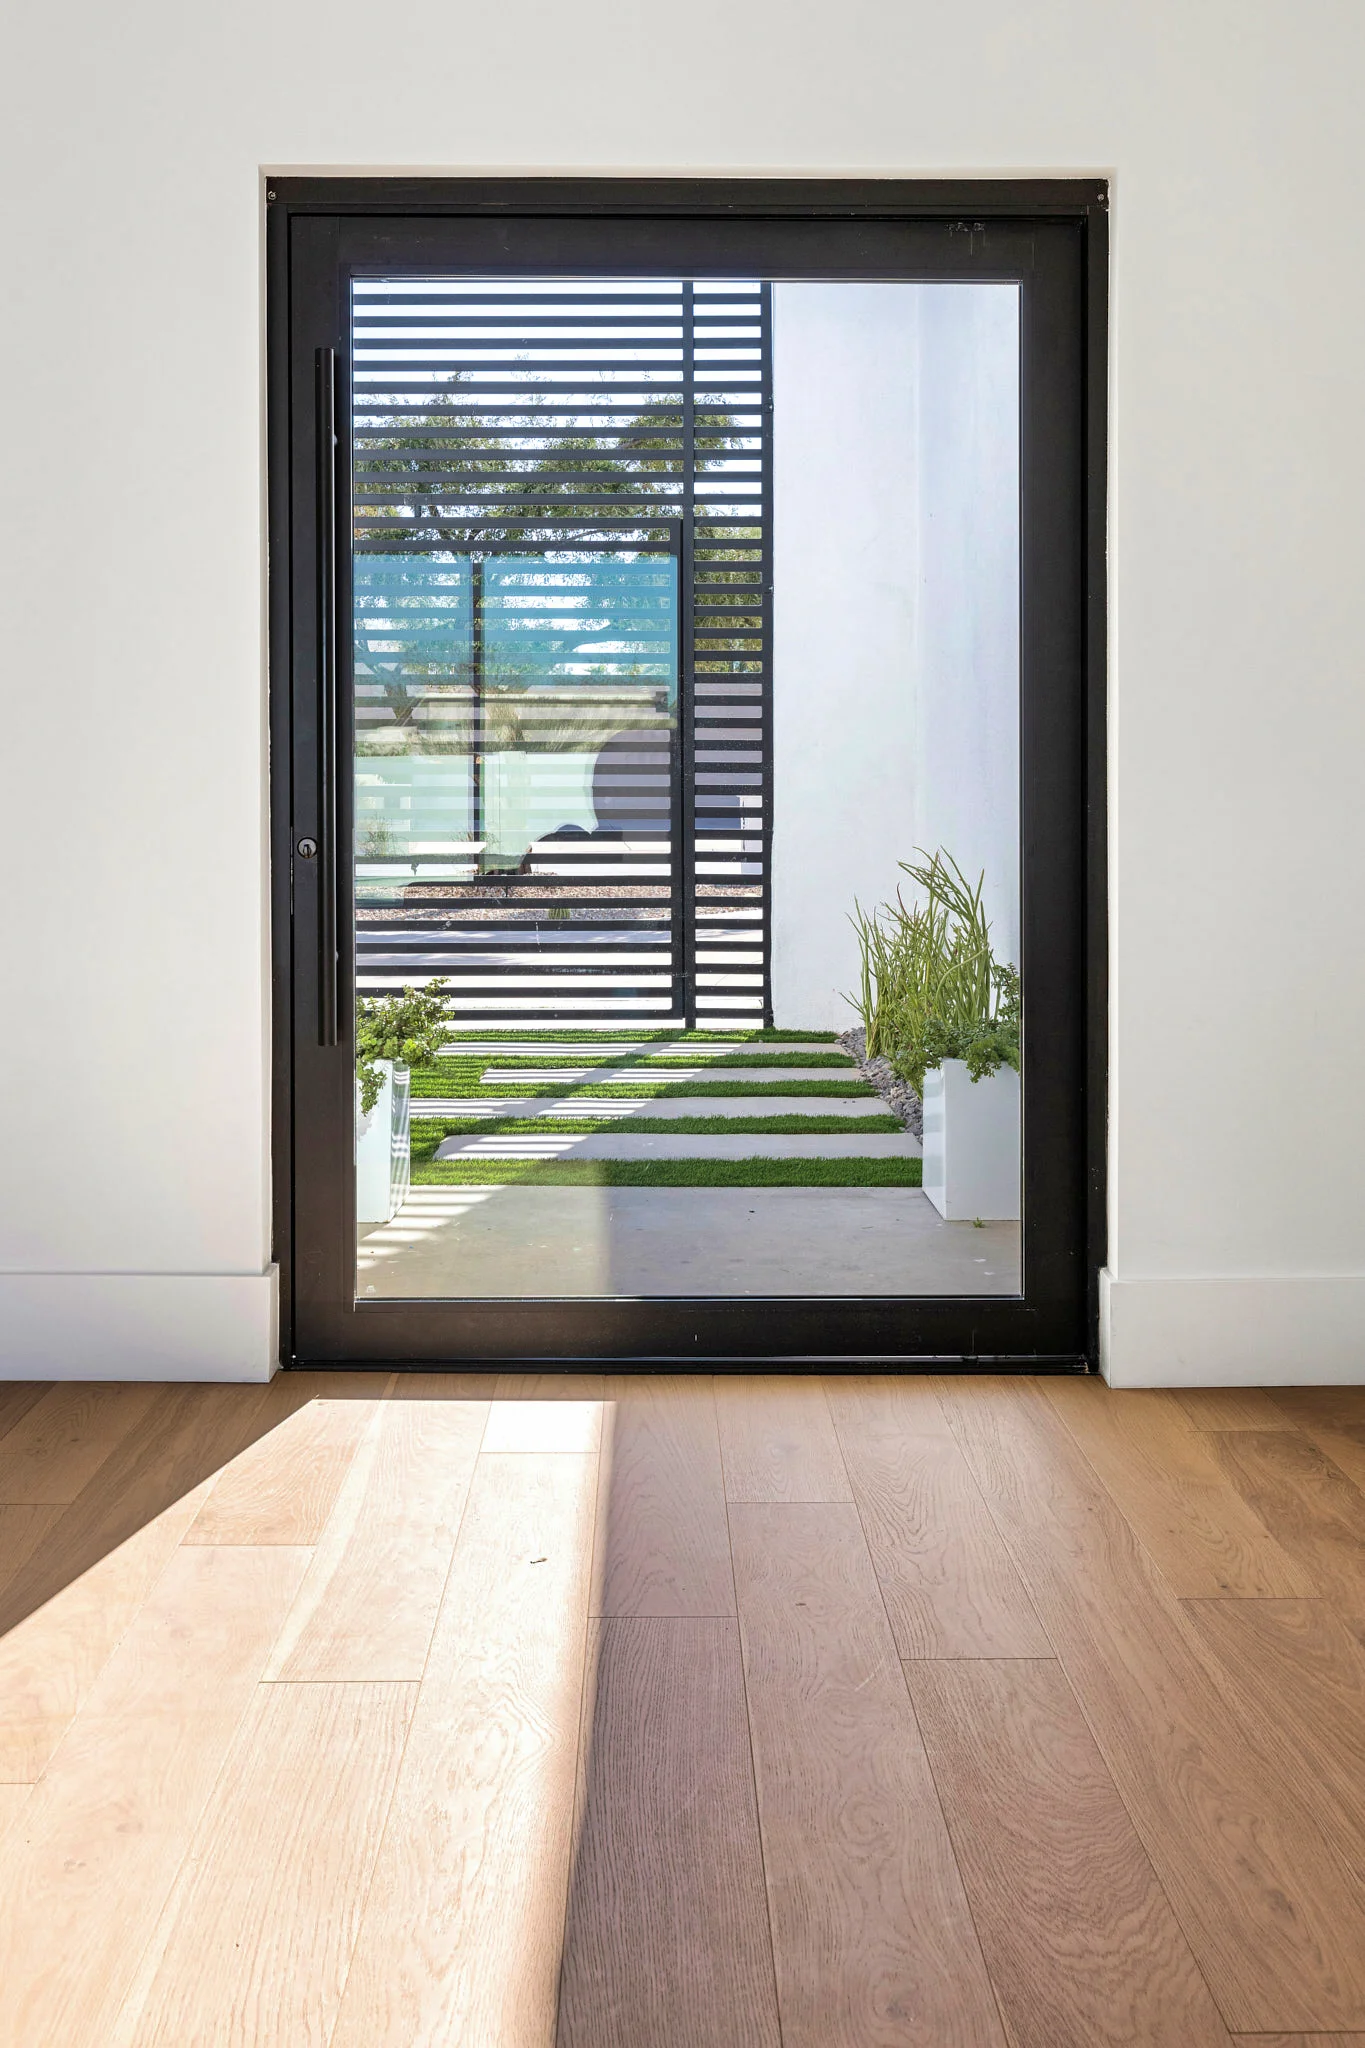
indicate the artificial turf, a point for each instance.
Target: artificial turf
{"x":667,"y":1126}
{"x":456,"y":1076}
{"x":659,"y":1062}
{"x":665,"y":1173}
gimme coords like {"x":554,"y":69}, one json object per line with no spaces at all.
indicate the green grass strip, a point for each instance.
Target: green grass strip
{"x":668,"y":1173}
{"x":666,"y":1126}
{"x":638,"y":1091}
{"x":757,"y":1037}
{"x":655,"y":1063}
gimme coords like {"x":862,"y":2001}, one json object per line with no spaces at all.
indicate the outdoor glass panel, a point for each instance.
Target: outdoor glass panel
{"x":686,"y":788}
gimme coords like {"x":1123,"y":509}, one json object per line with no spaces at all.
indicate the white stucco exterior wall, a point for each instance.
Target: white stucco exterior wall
{"x":895,"y":611}
{"x":966,"y":654}
{"x":845,"y":532}
{"x":134,"y":1176}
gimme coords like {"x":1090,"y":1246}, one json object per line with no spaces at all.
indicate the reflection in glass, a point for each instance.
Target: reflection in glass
{"x":506,"y":699}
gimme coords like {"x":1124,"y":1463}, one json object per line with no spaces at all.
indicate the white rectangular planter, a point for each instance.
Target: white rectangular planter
{"x":383,"y":1155}
{"x":971,"y":1143}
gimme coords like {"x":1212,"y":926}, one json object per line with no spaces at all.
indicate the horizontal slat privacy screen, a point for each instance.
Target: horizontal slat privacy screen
{"x":562,"y":596}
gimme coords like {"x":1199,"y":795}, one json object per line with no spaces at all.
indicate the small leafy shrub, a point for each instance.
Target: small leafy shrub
{"x":408,"y":1027}
{"x":931,"y":987}
{"x":377,"y":840}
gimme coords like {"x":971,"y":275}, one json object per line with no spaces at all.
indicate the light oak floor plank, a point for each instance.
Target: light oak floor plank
{"x":23,"y":1531}
{"x":1299,"y":2040}
{"x":1080,"y":1938}
{"x":464,"y":1929}
{"x":547,"y":1411}
{"x":367,"y":1608}
{"x":1228,"y":1407}
{"x":65,"y":1609}
{"x":1344,"y":1444}
{"x":872,"y":1933}
{"x":13,"y":1800}
{"x":1310,"y":1506}
{"x":949,"y":1583}
{"x":1273,"y":1914}
{"x":1306,"y":1405}
{"x":777,"y":1439}
{"x":284,"y":1487}
{"x":1335,"y":1426}
{"x":188,"y":1437}
{"x":62,"y":1441}
{"x":1234,"y":1729}
{"x":667,"y":1942}
{"x":663,"y":1546}
{"x":259,"y":1930}
{"x":50,"y":1660}
{"x":96,"y":1851}
{"x":1166,"y":1481}
{"x":16,"y":1398}
{"x":1297,"y":1675}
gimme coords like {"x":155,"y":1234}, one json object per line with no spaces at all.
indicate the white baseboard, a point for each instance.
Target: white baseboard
{"x":139,"y":1326}
{"x":1216,"y":1332}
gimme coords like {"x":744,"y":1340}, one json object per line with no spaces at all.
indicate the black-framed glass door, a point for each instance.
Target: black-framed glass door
{"x":684,"y":647}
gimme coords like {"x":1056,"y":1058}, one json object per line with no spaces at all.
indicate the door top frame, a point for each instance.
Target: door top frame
{"x":624,"y":195}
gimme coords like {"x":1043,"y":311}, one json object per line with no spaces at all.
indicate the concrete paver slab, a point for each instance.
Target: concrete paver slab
{"x":661,"y":1106}
{"x":628,"y":1144}
{"x":625,"y":1076}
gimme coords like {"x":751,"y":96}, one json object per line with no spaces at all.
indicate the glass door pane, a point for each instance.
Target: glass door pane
{"x":686,"y":709}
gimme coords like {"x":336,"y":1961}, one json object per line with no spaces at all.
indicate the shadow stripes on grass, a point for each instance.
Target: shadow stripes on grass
{"x":448,"y":1087}
{"x":656,"y":1063}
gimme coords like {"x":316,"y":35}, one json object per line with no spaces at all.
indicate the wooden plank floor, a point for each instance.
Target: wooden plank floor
{"x":537,"y":1711}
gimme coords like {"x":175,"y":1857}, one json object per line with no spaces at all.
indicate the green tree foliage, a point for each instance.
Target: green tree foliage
{"x":447,"y":451}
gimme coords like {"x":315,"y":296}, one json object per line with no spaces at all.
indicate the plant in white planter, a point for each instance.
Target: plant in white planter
{"x":392,"y":1034}
{"x":937,"y":1003}
{"x":971,"y":1142}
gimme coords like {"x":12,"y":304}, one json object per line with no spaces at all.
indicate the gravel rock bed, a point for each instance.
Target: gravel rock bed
{"x":899,"y":1099}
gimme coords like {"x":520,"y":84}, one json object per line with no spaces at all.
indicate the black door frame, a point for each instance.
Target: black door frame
{"x":1051,"y":236}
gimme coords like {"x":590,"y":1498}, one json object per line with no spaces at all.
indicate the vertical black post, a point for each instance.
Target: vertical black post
{"x":685,"y":854}
{"x":326,"y":427}
{"x":476,"y":734}
{"x":765,"y":316}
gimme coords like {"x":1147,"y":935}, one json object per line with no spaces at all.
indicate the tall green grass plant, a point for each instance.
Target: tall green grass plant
{"x":930,"y":985}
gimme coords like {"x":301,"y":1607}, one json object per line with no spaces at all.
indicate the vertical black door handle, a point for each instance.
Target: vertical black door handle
{"x":328,"y":957}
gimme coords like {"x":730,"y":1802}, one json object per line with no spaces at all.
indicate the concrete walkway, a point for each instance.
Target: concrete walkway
{"x":461,"y":1243}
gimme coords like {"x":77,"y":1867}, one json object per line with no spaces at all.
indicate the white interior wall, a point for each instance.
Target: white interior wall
{"x":135,"y":1161}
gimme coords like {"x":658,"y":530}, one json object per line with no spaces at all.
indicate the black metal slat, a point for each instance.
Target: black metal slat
{"x":683,"y":876}
{"x":513,"y":300}
{"x":724,"y":617}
